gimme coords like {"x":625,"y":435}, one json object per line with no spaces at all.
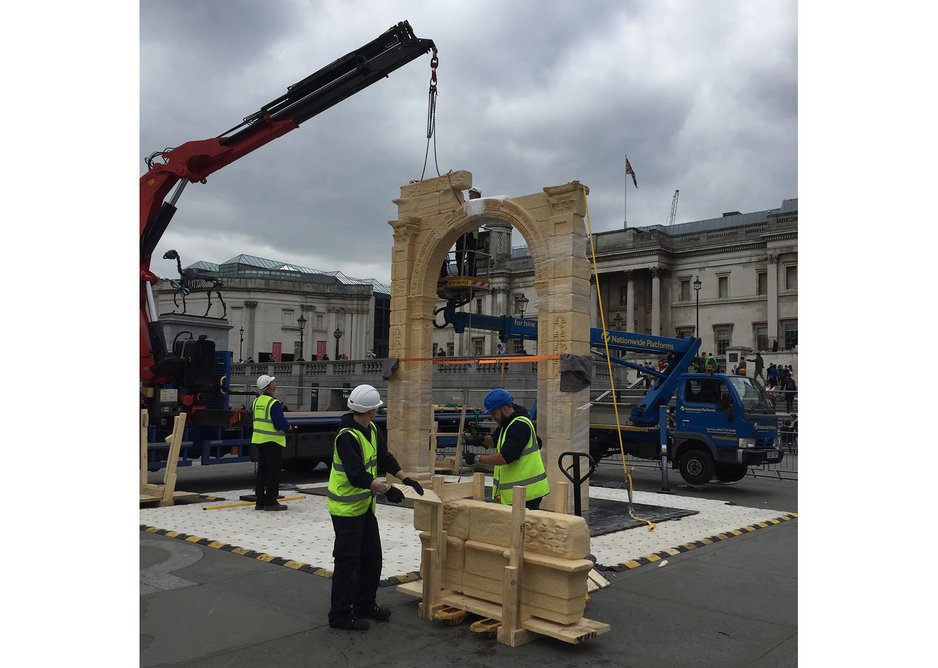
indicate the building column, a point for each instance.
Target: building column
{"x":251,"y":328}
{"x":656,"y":301}
{"x":629,"y":302}
{"x":771,"y":271}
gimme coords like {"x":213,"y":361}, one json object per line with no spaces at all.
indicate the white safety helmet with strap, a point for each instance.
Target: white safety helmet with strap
{"x":364,"y":398}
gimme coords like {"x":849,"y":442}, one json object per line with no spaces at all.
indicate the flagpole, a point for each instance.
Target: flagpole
{"x":625,"y":214}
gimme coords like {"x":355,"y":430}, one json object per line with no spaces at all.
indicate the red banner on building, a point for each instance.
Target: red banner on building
{"x":276,"y":349}
{"x":320,"y":349}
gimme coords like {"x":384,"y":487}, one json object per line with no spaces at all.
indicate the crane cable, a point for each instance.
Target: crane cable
{"x":431,"y":117}
{"x":612,"y":381}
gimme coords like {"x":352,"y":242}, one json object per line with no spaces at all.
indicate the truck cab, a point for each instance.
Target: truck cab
{"x":722,"y":424}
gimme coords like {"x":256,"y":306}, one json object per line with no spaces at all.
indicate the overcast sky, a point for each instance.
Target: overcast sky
{"x":701,"y":96}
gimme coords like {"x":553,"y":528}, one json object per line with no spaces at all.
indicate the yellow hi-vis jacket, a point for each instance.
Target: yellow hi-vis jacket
{"x":528,"y":471}
{"x":264,"y":429}
{"x":346,"y":500}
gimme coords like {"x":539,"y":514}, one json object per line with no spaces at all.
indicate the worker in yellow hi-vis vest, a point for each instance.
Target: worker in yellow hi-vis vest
{"x":359,"y":449}
{"x":269,"y":436}
{"x":517,"y":459}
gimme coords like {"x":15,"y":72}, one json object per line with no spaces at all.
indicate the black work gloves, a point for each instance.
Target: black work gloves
{"x":410,"y":482}
{"x":472,"y":439}
{"x":394,"y":495}
{"x":470,"y":458}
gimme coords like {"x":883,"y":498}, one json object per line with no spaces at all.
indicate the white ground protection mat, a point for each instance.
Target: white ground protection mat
{"x":304,"y":532}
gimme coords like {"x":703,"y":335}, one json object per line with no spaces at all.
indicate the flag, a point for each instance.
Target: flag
{"x":630,"y":171}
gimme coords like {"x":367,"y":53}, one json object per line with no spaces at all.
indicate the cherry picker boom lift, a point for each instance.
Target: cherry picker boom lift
{"x":718,"y":426}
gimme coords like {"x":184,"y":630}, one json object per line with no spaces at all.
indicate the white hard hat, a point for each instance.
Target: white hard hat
{"x":264,"y":381}
{"x":364,"y":398}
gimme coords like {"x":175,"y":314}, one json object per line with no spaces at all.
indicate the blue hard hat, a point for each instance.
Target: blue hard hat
{"x":497,"y":397}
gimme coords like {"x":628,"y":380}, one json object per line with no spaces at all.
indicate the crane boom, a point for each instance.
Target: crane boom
{"x":194,"y":161}
{"x":673,"y":214}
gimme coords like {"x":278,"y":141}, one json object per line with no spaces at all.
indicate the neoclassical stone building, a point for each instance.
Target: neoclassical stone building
{"x":265,"y":299}
{"x":746,"y":265}
{"x":737,"y":274}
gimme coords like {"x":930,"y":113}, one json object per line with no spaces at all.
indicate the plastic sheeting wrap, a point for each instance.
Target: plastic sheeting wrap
{"x":475,"y":207}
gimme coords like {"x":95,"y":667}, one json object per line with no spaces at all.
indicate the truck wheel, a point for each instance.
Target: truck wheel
{"x":696,"y":467}
{"x":731,"y":472}
{"x":598,"y":449}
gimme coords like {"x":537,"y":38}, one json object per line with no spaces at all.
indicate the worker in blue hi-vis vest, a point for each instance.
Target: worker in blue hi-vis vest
{"x":359,"y":448}
{"x":517,"y":459}
{"x":269,"y":436}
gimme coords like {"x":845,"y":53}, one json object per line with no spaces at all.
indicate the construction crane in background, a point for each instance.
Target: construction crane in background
{"x":673,"y":207}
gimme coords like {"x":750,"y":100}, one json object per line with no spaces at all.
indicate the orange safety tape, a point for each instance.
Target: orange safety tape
{"x":482,"y":360}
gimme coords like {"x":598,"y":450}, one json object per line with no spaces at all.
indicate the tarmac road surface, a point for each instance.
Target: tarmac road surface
{"x":733,"y":602}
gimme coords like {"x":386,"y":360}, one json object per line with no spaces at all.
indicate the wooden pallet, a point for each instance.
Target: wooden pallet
{"x":574,"y":634}
{"x":514,"y":629}
{"x":165,"y":494}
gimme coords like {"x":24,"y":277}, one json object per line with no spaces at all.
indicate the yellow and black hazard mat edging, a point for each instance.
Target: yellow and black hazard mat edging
{"x":687,"y":547}
{"x":268,"y":558}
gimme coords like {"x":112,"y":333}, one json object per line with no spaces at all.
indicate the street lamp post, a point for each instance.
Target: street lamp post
{"x":697,"y":285}
{"x":241,"y":346}
{"x":338,"y":335}
{"x":617,"y":321}
{"x":301,"y":322}
{"x":523,"y":302}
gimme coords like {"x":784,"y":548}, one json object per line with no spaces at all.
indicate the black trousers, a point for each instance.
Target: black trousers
{"x":269,"y":463}
{"x":357,"y":555}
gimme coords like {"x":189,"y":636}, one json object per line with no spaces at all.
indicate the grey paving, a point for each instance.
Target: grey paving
{"x":732,"y":603}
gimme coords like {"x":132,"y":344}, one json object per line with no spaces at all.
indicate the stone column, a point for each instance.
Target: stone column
{"x":251,"y":306}
{"x":629,"y":301}
{"x":772,"y":298}
{"x":656,"y":301}
{"x":594,"y":305}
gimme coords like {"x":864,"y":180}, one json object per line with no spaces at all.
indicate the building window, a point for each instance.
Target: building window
{"x":685,"y":290}
{"x":683,"y":332}
{"x":763,"y":288}
{"x":478,"y":307}
{"x":623,"y":294}
{"x":519,"y":346}
{"x":450,"y":350}
{"x":286,"y":317}
{"x":790,"y":334}
{"x":761,"y":335}
{"x":477,"y":345}
{"x":722,"y":334}
{"x":791,"y":277}
{"x":320,"y":321}
{"x":723,"y":283}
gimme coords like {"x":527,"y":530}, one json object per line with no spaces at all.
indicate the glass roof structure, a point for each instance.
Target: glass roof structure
{"x":251,"y":266}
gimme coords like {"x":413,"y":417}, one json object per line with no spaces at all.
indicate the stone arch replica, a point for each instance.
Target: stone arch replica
{"x":431,"y":216}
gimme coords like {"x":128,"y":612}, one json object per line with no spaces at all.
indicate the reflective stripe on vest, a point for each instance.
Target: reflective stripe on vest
{"x":264,"y":430}
{"x":527,"y":471}
{"x":344,"y":499}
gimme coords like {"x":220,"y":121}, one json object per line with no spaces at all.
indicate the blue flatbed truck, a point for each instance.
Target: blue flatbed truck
{"x":229,"y":443}
{"x":718,"y":424}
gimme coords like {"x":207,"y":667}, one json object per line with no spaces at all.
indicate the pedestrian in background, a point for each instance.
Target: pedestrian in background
{"x":358,"y":450}
{"x":772,"y":375}
{"x":269,"y":436}
{"x":790,"y":390}
{"x":760,"y":365}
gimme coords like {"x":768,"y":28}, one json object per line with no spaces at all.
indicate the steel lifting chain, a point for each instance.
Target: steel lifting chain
{"x":431,"y":117}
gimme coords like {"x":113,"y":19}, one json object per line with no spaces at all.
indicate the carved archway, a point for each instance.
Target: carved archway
{"x":431,"y":216}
